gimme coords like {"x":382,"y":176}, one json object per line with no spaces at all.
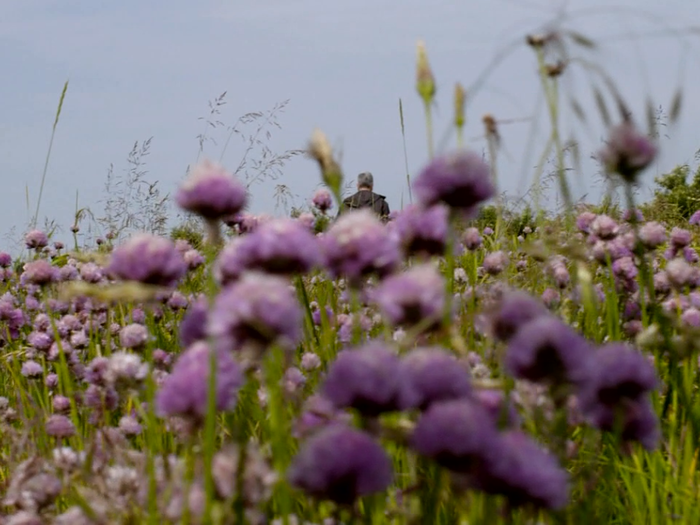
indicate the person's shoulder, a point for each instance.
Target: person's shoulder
{"x":377,"y":195}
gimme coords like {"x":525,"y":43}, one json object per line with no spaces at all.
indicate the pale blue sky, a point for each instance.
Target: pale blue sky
{"x":142,"y":69}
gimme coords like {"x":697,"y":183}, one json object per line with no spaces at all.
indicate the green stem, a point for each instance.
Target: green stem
{"x":550,"y":87}
{"x":429,"y":128}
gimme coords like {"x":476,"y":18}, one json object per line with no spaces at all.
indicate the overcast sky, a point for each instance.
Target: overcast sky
{"x":148,"y":69}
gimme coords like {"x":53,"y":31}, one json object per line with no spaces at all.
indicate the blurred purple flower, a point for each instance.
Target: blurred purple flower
{"x":461,"y":180}
{"x":211,"y":192}
{"x":584,"y":221}
{"x":524,"y":473}
{"x":258,"y":309}
{"x":627,"y":151}
{"x":148,"y":259}
{"x":358,"y":245}
{"x":548,"y":350}
{"x":680,"y":238}
{"x":133,"y":335}
{"x":652,"y":234}
{"x":36,"y":240}
{"x":458,"y":434}
{"x":429,"y":375}
{"x":604,"y":227}
{"x":619,"y":372}
{"x":193,"y":325}
{"x":413,"y":297}
{"x":495,"y":262}
{"x":514,"y":309}
{"x":628,"y":214}
{"x":184,"y":392}
{"x":695,"y":219}
{"x":280,"y":246}
{"x":322,"y":200}
{"x":422,"y":231}
{"x":340,"y":464}
{"x":364,"y":378}
{"x":59,"y":426}
{"x":40,"y":273}
{"x":502,"y":411}
{"x":471,"y":239}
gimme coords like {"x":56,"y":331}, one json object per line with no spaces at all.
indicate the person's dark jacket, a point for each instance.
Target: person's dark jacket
{"x":367,"y":199}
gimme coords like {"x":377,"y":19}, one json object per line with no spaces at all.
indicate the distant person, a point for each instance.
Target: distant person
{"x":366,"y":198}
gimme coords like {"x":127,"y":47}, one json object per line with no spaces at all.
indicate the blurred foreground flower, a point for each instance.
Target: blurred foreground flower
{"x":340,"y":464}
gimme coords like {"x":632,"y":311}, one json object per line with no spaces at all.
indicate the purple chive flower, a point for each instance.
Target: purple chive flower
{"x":318,"y":412}
{"x":430,"y":375}
{"x":193,"y":324}
{"x":317,"y":317}
{"x":690,"y":255}
{"x":627,"y":151}
{"x":625,"y":272}
{"x":133,"y":336}
{"x":307,"y":220}
{"x":488,"y":231}
{"x":36,"y":240}
{"x":60,"y":404}
{"x":495,"y":262}
{"x":628,"y":214}
{"x":413,"y":297}
{"x":40,"y":273}
{"x":310,"y":361}
{"x":691,"y":317}
{"x":461,"y":180}
{"x":680,"y":238}
{"x":584,"y":221}
{"x":279,"y":247}
{"x":680,"y":274}
{"x":5,"y":260}
{"x":258,"y":309}
{"x":514,"y":310}
{"x":502,"y":410}
{"x":40,"y":340}
{"x":652,"y":234}
{"x":695,"y":219}
{"x":184,"y":392}
{"x":129,"y":426}
{"x":340,"y":464}
{"x":322,"y":200}
{"x":148,"y":259}
{"x":548,"y":350}
{"x":635,"y":419}
{"x":348,"y":324}
{"x":422,"y":231}
{"x":364,"y":378}
{"x":211,"y":192}
{"x":193,"y":259}
{"x":457,"y":434}
{"x":471,"y":239}
{"x":524,"y":473}
{"x":604,"y":227}
{"x":619,"y":372}
{"x":59,"y":426}
{"x":177,"y":301}
{"x":358,"y":245}
{"x":550,"y":298}
{"x":91,"y":273}
{"x":31,"y":369}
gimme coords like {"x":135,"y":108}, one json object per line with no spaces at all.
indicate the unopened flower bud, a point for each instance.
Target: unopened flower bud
{"x":425,"y":82}
{"x":320,"y":149}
